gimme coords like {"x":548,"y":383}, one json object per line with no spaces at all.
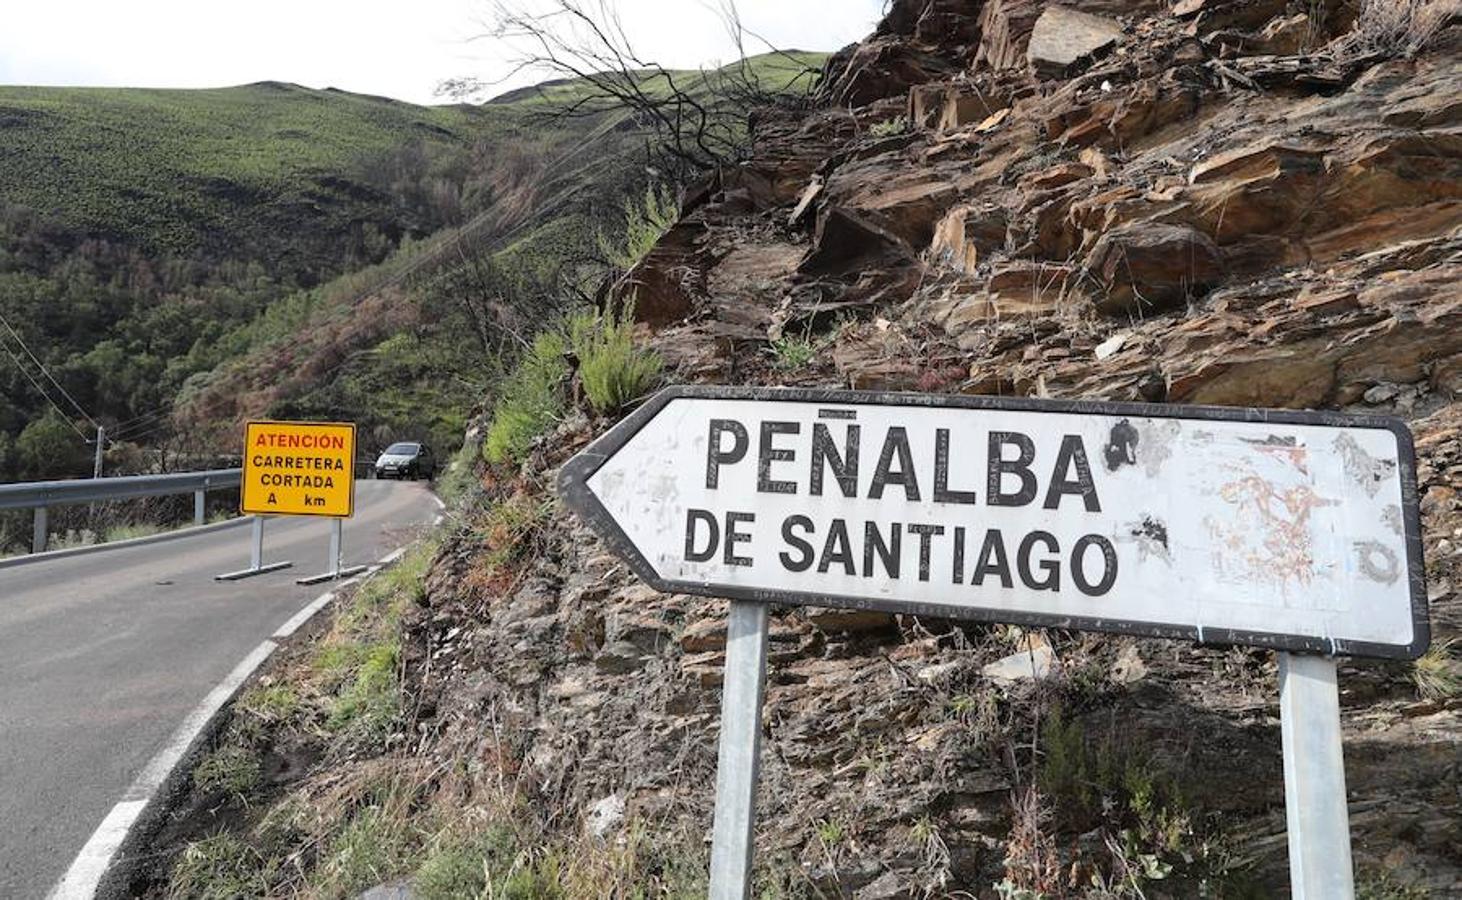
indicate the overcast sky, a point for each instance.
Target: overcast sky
{"x":396,"y":48}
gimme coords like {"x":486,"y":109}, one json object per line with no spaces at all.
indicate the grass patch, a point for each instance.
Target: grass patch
{"x":131,"y":532}
{"x":529,"y":402}
{"x":221,"y":867}
{"x":272,"y":703}
{"x":458,"y":478}
{"x":616,"y":371}
{"x":371,"y":702}
{"x":361,"y":656}
{"x":232,"y":769}
{"x":460,"y":867}
{"x":374,"y":846}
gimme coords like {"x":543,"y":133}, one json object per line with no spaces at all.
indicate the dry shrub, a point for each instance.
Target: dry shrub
{"x":1397,"y":28}
{"x":1032,"y":865}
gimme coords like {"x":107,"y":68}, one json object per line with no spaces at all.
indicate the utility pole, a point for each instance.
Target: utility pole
{"x":101,"y":446}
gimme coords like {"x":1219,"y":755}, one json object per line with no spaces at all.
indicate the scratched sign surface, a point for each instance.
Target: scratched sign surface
{"x":1281,"y":529}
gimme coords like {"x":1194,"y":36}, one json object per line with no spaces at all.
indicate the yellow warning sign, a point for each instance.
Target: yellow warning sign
{"x":299,"y":469}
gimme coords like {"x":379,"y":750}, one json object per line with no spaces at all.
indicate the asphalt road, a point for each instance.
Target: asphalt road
{"x":103,"y":655}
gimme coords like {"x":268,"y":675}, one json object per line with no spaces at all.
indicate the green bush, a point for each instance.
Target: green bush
{"x":615,"y":371}
{"x":529,"y":401}
{"x":645,"y":221}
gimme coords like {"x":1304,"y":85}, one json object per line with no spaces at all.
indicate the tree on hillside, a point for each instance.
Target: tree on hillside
{"x":701,"y":119}
{"x":49,"y":447}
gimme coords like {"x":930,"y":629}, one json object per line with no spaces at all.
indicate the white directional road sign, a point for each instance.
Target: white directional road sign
{"x":1291,"y":530}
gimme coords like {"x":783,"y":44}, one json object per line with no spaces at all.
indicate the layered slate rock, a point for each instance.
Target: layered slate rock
{"x":1061,"y":38}
{"x":1146,"y":266}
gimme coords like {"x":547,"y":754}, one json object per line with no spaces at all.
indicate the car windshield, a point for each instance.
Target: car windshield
{"x":402,"y":449}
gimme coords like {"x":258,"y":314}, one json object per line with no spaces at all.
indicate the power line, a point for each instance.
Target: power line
{"x":139,"y":422}
{"x":138,"y":432}
{"x":46,"y":372}
{"x":42,"y":391}
{"x":150,"y":414}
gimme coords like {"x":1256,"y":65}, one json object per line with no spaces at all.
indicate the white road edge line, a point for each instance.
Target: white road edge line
{"x":441,"y":504}
{"x":303,"y":616}
{"x":85,"y":874}
{"x":392,"y":556}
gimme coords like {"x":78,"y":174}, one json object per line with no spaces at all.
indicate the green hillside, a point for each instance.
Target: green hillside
{"x":201,"y":256}
{"x":242,"y":172}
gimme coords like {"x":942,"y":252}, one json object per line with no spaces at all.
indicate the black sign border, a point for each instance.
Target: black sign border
{"x":575,"y":474}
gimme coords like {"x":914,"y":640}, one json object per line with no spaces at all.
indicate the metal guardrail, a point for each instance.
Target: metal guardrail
{"x":41,"y":495}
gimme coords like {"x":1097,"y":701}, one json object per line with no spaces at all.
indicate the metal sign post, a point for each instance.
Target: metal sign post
{"x":1293,"y":531}
{"x":1315,"y":805}
{"x":336,"y":570}
{"x":739,"y":759}
{"x":256,"y":557}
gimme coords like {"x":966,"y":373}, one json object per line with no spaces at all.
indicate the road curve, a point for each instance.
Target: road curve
{"x":103,"y":655}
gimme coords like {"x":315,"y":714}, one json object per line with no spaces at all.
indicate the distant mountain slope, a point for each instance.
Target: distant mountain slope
{"x":265,"y":171}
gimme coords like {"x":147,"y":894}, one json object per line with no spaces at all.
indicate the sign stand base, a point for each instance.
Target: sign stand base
{"x":734,"y":832}
{"x":256,"y":565}
{"x":1314,"y":779}
{"x":337,"y":530}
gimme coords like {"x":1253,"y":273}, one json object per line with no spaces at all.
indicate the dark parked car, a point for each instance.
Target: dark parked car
{"x":406,"y":460}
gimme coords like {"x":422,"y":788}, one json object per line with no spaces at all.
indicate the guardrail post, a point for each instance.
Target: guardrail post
{"x":199,"y":507}
{"x":42,"y":530}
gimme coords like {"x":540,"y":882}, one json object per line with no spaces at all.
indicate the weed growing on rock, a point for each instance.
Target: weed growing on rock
{"x":513,"y":529}
{"x":1032,"y":865}
{"x":1383,"y":885}
{"x":1104,"y":786}
{"x":1396,"y":27}
{"x":615,"y":370}
{"x":792,"y":352}
{"x":890,"y":127}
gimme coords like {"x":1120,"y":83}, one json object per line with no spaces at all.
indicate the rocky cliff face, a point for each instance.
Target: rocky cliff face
{"x":1222,"y":202}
